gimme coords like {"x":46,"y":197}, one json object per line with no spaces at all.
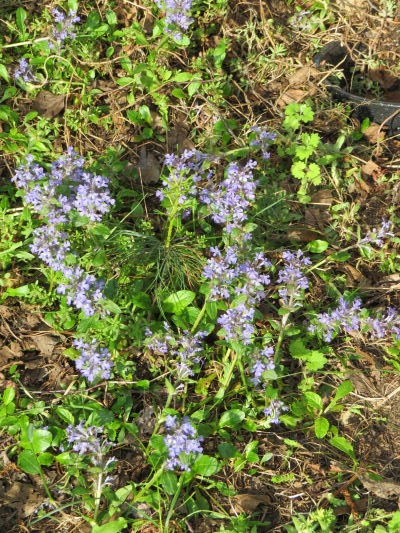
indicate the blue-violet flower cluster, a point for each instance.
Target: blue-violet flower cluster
{"x":182,"y":443}
{"x":24,"y":72}
{"x":64,"y":25}
{"x":87,"y":441}
{"x":351,"y":317}
{"x":262,"y":140}
{"x":177,"y":16}
{"x":66,"y":189}
{"x":94,"y":362}
{"x":292,"y":279}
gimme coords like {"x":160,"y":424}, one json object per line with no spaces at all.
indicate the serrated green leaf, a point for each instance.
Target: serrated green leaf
{"x":298,"y":170}
{"x":321,"y":427}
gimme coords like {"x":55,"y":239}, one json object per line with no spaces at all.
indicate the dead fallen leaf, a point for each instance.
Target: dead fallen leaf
{"x":248,"y":503}
{"x":370,"y":169}
{"x":148,"y":166}
{"x":322,"y":197}
{"x":178,"y":140}
{"x":48,"y":104}
{"x":22,"y":497}
{"x":292,"y":95}
{"x":388,"y":490}
{"x":303,"y":75}
{"x":45,"y":343}
{"x":385,"y":79}
{"x":374,"y":133}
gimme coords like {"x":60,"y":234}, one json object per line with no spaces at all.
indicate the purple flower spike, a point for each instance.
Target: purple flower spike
{"x":181,"y":440}
{"x":177,"y":16}
{"x":94,"y":362}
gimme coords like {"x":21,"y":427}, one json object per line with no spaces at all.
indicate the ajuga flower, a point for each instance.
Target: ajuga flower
{"x":182,"y":443}
{"x":177,"y":16}
{"x":94,"y":362}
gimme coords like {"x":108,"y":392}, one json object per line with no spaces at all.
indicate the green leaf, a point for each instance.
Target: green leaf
{"x":178,"y":93}
{"x":227,"y":450}
{"x":169,"y":482}
{"x":178,"y":301}
{"x":394,"y":524}
{"x":4,"y":73}
{"x":125,"y":81}
{"x":182,"y":77}
{"x":317,"y":246}
{"x":212,"y":310}
{"x":231,"y":418}
{"x":41,"y":440}
{"x":205,"y":465}
{"x":343,"y":390}
{"x":145,"y":114}
{"x":141,"y":300}
{"x":65,"y":414}
{"x":8,"y":395}
{"x":297,"y":170}
{"x":111,"y":527}
{"x":313,"y":400}
{"x":28,"y":462}
{"x":20,"y":16}
{"x":45,"y":459}
{"x":321,"y":427}
{"x":343,"y":445}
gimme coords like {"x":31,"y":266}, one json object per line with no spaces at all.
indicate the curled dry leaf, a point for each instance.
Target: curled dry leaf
{"x":48,"y":104}
{"x":248,"y":503}
{"x":388,"y":490}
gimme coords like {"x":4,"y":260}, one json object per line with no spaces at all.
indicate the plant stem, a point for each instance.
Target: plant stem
{"x":173,"y":502}
{"x":199,"y":318}
{"x":156,"y":475}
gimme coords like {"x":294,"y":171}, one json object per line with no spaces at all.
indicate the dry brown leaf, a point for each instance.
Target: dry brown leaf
{"x":292,"y":95}
{"x":370,"y":169}
{"x":388,"y":490}
{"x":374,"y":133}
{"x":322,"y":197}
{"x":45,"y":343}
{"x":48,"y":104}
{"x":385,"y":79}
{"x":22,"y":497}
{"x":303,"y":75}
{"x":148,"y":166}
{"x":248,"y":503}
{"x":302,"y":234}
{"x":178,"y":140}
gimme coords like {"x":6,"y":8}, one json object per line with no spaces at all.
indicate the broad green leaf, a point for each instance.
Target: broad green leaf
{"x":343,"y":445}
{"x":317,"y":246}
{"x":28,"y":462}
{"x":4,"y":73}
{"x":178,"y":301}
{"x":169,"y":482}
{"x":141,"y":300}
{"x":313,"y":399}
{"x":8,"y":395}
{"x":111,"y":527}
{"x":231,"y":418}
{"x":343,"y":390}
{"x":45,"y":459}
{"x":182,"y":77}
{"x":20,"y":16}
{"x":227,"y":450}
{"x":65,"y":414}
{"x":124,"y":81}
{"x":41,"y":440}
{"x":205,"y":465}
{"x":321,"y":427}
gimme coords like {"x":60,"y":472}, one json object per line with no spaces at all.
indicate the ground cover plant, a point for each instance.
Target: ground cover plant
{"x":199,"y":325}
